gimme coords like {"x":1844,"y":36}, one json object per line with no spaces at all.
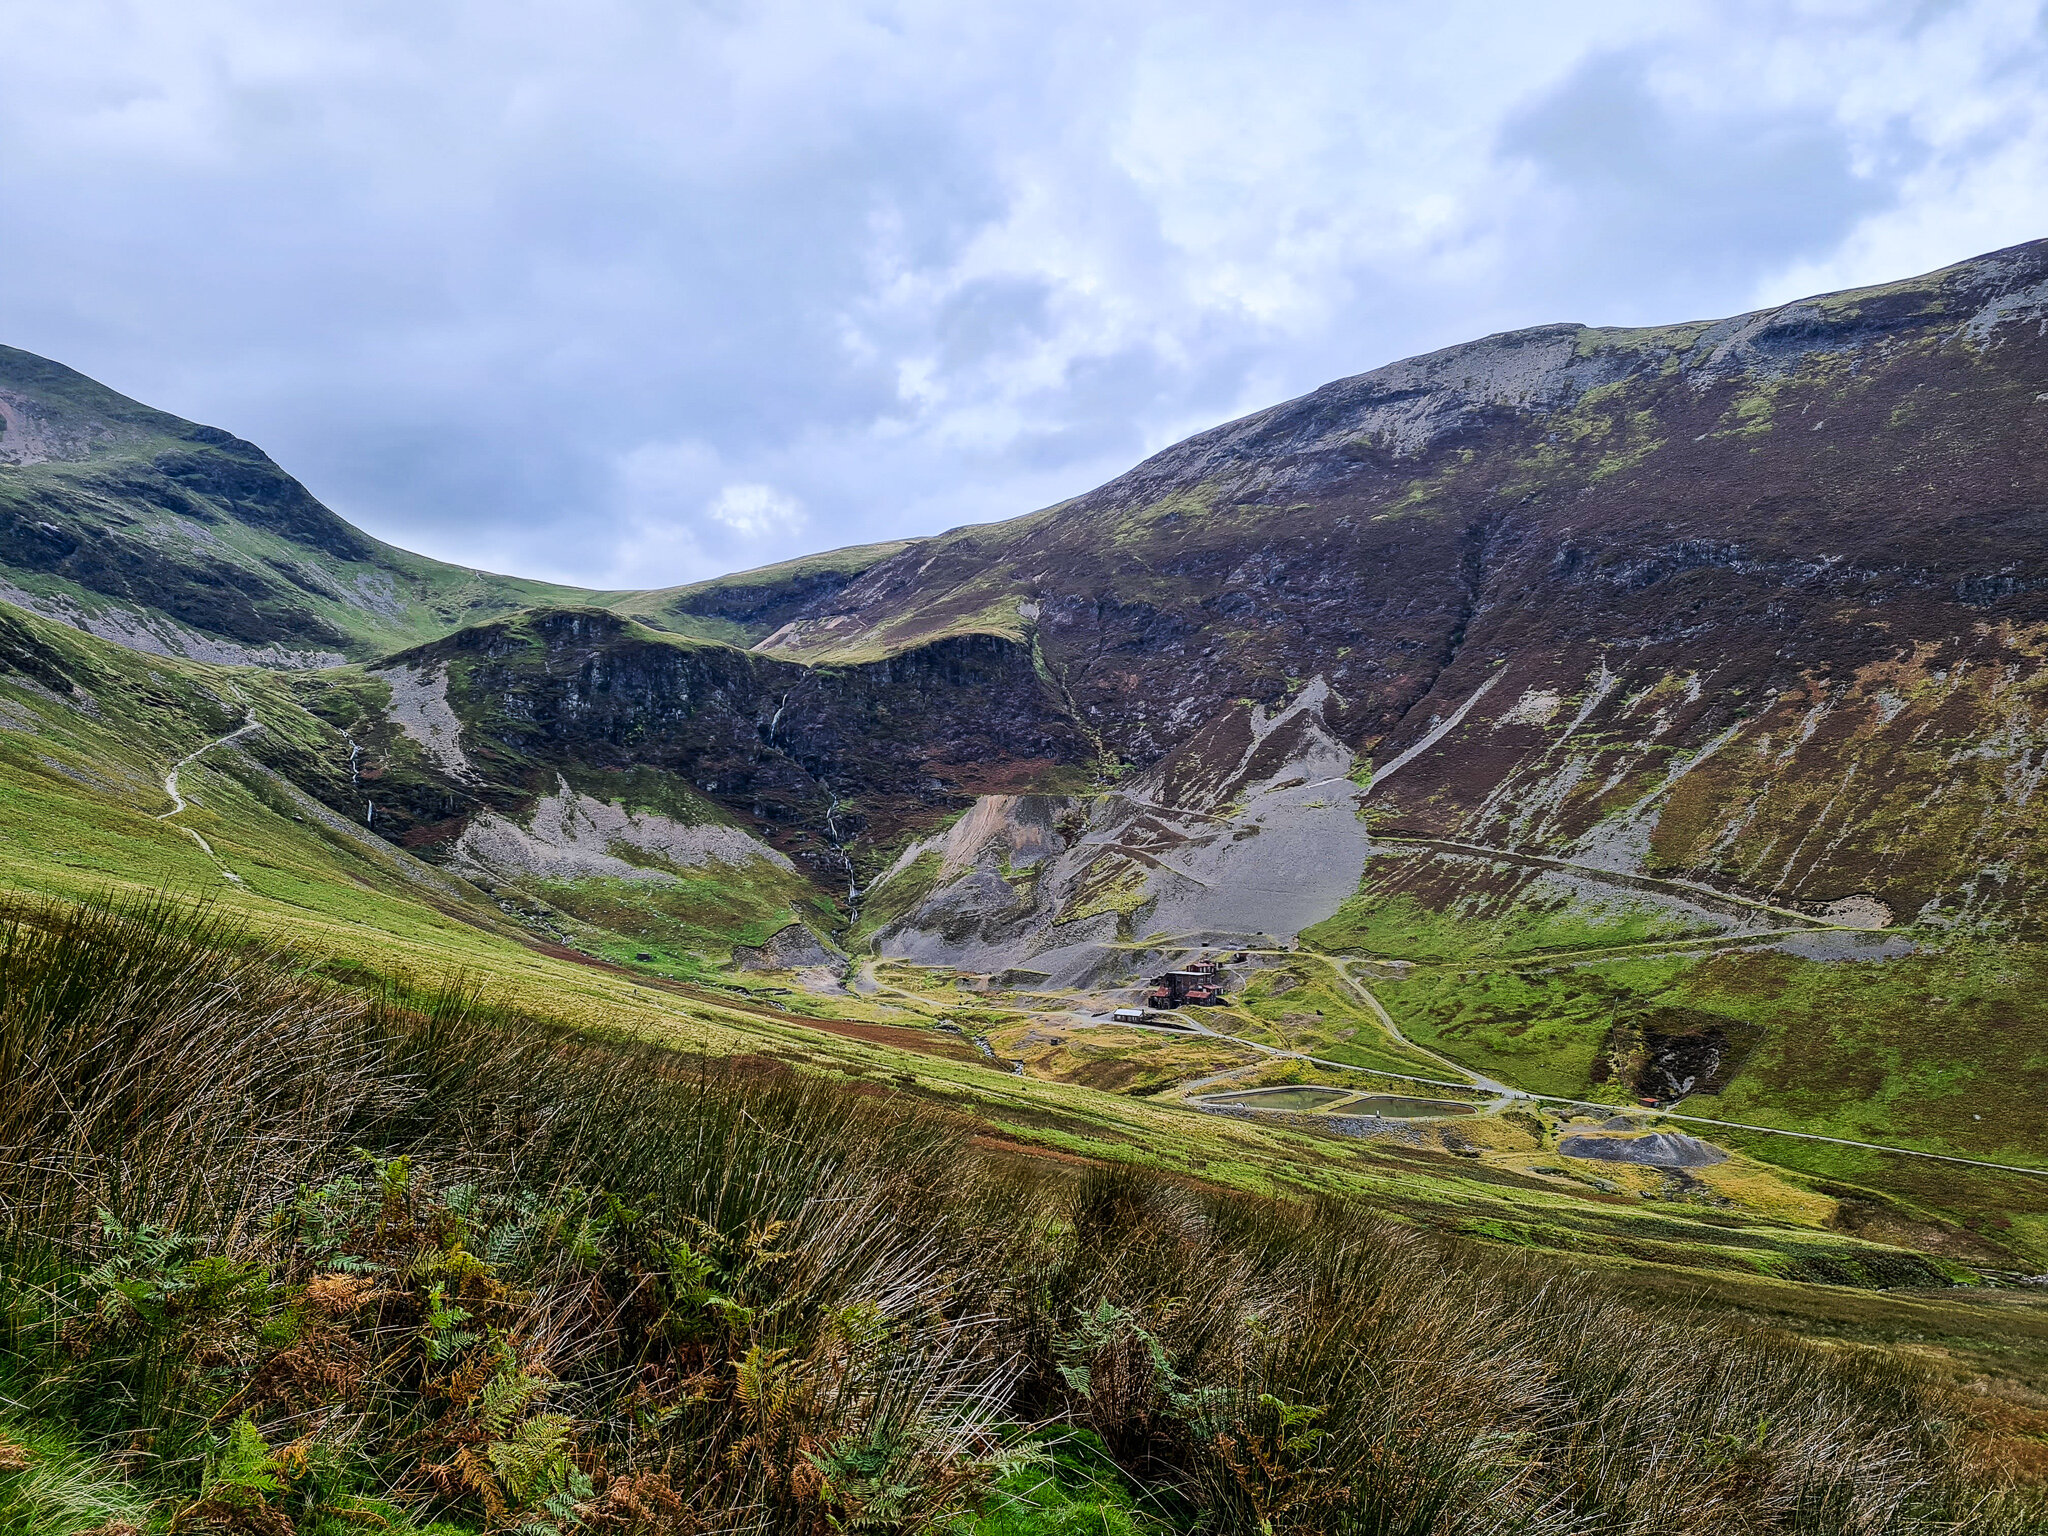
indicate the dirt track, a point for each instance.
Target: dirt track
{"x":246,"y":728}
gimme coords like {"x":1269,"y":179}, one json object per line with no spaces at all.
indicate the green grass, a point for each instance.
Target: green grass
{"x":1064,"y":1484}
{"x":1926,"y":1050}
{"x":695,"y":911}
{"x":49,"y":1487}
{"x":694,"y":610}
{"x":356,"y":908}
{"x":1847,"y":1048}
{"x":1542,"y":1029}
{"x":1402,"y":928}
{"x":349,"y":898}
{"x":145,"y":492}
{"x":1303,"y":1006}
{"x":897,"y":897}
{"x":305,"y":1258}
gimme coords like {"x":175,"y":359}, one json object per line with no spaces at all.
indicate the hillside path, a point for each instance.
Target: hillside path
{"x":1489,"y":1085}
{"x":1655,"y":885}
{"x":1365,"y":995}
{"x":248,"y":727}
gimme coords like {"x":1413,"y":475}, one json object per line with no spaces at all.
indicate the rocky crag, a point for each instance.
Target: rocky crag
{"x":1757,"y":606}
{"x":1564,"y":637}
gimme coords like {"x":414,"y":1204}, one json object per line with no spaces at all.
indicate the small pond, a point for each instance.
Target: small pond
{"x":1387,"y":1106}
{"x":1278,"y":1098}
{"x":1393,"y":1107}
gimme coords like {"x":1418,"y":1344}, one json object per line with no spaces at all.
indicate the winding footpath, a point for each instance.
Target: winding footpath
{"x":247,"y":728}
{"x":1704,"y":896}
{"x":1365,"y":994}
{"x":1504,"y":1094}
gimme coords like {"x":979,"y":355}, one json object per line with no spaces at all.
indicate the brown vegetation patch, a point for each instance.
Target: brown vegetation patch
{"x":432,"y":834}
{"x":1111,"y":1074}
{"x":924,"y":1041}
{"x":1019,"y":776}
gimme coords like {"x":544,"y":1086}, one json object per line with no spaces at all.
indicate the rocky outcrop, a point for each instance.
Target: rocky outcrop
{"x":821,"y":762}
{"x":1247,"y":835}
{"x":794,"y":948}
{"x":419,"y":707}
{"x":571,"y":836}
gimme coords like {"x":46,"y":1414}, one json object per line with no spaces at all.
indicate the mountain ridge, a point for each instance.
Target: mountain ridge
{"x":1397,"y":534}
{"x":1591,"y":698}
{"x":182,"y":539}
{"x":51,"y":415}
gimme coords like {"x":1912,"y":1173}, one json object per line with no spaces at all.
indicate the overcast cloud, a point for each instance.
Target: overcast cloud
{"x":631,"y":292}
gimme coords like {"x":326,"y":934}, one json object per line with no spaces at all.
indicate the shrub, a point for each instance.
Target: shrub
{"x":283,"y":1257}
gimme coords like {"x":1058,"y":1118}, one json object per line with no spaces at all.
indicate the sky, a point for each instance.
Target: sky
{"x":628,"y":293}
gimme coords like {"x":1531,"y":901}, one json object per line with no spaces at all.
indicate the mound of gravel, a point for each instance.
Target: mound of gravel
{"x":1660,"y":1149}
{"x":794,"y":948}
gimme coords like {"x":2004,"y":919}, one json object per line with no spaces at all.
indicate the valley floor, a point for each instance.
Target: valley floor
{"x":154,"y":782}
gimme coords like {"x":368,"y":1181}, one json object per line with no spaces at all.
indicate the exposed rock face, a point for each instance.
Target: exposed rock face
{"x":1859,"y":911}
{"x":33,"y":433}
{"x":160,"y":635}
{"x":1250,"y":832}
{"x":813,"y":759}
{"x":419,"y":707}
{"x":794,"y":948}
{"x":574,"y":836}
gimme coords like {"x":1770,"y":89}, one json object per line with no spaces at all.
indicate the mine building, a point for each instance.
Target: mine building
{"x":1195,"y":986}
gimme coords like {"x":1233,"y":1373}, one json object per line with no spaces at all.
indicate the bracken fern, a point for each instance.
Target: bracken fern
{"x":277,"y":1256}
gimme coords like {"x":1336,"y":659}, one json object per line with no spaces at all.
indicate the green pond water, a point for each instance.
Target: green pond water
{"x":1386,"y":1105}
{"x":1393,"y":1107}
{"x":1281,"y":1098}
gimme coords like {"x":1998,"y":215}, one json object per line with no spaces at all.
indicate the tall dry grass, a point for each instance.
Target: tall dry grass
{"x":285,"y":1257}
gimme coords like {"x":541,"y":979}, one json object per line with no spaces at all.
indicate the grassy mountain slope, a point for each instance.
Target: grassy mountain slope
{"x":88,"y":731}
{"x":282,"y":1256}
{"x":1585,"y":469}
{"x":1618,"y":715}
{"x":1680,"y":580}
{"x":183,"y":539}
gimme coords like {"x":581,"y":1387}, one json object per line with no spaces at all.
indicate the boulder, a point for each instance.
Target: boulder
{"x":794,"y":948}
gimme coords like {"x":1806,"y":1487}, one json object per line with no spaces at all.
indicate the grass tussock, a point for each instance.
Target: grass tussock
{"x":277,"y":1257}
